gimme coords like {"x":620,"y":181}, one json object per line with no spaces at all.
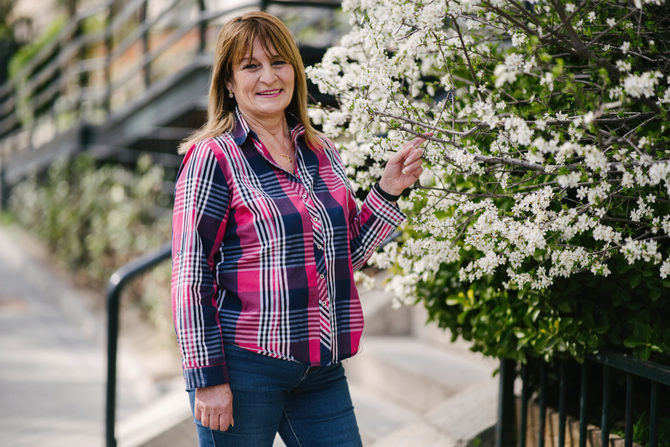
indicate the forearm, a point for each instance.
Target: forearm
{"x":375,"y":221}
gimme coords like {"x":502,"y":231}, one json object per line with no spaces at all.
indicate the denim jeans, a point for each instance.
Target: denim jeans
{"x":308,"y":406}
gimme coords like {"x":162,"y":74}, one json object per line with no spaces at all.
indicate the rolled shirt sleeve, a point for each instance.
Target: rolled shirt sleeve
{"x":199,"y":218}
{"x":371,"y":225}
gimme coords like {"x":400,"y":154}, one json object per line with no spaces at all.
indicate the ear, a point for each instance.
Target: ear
{"x":229,"y":86}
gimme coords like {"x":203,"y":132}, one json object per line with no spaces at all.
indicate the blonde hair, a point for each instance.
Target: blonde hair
{"x":235,"y":42}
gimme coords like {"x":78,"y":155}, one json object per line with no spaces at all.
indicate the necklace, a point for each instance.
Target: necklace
{"x":288,"y":157}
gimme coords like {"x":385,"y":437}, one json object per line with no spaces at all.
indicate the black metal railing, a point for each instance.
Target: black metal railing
{"x":117,"y":282}
{"x":510,"y":432}
{"x":94,"y":73}
{"x":106,"y":58}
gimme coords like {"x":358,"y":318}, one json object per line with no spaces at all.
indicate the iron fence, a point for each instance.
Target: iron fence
{"x":604,"y":366}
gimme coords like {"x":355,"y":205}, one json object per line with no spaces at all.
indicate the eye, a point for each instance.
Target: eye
{"x":249,"y":66}
{"x":279,"y":62}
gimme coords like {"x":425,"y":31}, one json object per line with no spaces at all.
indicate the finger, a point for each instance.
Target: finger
{"x":413,"y":156}
{"x":422,"y":139}
{"x":402,"y":153}
{"x":224,"y":422}
{"x":410,"y":145}
{"x":214,"y":420}
{"x":416,"y":146}
{"x":407,"y":148}
{"x":411,"y":167}
{"x":416,"y":173}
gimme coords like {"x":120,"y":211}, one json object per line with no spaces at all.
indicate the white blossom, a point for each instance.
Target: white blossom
{"x":641,"y":85}
{"x":508,"y":71}
{"x":518,"y":39}
{"x":623,"y":65}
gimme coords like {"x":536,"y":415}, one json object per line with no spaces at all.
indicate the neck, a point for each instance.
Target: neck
{"x":275,"y":126}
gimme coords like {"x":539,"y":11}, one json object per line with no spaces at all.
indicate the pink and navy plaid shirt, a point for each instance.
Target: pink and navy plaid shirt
{"x":264,"y":259}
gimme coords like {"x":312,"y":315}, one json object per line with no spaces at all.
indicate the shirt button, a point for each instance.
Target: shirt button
{"x":321,"y":275}
{"x":319,"y":247}
{"x":304,"y":196}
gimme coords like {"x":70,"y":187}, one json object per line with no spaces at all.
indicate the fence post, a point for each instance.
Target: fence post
{"x":109,"y":40}
{"x":4,"y":196}
{"x":505,"y":428}
{"x":145,"y":44}
{"x":202,"y":26}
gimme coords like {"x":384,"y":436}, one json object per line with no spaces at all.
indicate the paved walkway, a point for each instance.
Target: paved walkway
{"x":52,"y":356}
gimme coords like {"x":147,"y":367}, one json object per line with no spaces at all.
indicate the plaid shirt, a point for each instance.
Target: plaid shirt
{"x":263,"y":258}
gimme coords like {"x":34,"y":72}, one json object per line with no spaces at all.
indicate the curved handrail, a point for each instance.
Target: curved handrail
{"x":117,"y":282}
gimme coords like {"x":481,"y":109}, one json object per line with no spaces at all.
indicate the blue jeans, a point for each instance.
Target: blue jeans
{"x":308,"y":406}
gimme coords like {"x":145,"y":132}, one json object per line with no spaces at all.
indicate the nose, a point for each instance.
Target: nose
{"x":267,"y":74}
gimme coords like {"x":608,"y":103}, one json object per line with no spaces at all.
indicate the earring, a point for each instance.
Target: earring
{"x":230,"y":94}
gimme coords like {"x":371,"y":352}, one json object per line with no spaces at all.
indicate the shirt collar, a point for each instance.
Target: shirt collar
{"x":241,"y":130}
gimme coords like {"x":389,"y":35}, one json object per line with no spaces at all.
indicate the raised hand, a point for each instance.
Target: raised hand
{"x":404,"y":168}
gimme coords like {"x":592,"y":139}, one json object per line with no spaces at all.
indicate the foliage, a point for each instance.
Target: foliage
{"x":6,"y":32}
{"x":97,"y":218}
{"x":541,"y":224}
{"x":641,"y":430}
{"x":25,"y":54}
{"x":21,"y":58}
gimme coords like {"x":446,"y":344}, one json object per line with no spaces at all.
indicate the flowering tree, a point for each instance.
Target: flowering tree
{"x":548,"y":155}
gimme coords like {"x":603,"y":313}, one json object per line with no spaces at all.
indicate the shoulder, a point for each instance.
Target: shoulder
{"x":327,"y":144}
{"x":217,"y":148}
{"x":330,"y":151}
{"x":208,"y":154}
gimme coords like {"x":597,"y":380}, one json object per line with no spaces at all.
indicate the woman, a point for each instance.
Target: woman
{"x":266,"y":237}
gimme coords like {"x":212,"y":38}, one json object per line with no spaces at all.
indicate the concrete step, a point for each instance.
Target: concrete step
{"x":458,"y":421}
{"x":416,"y":434}
{"x":167,"y":421}
{"x":381,"y":318}
{"x":414,"y":373}
{"x":377,"y":416}
{"x":421,"y":329}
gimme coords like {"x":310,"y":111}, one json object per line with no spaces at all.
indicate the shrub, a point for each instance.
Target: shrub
{"x":96,"y":218}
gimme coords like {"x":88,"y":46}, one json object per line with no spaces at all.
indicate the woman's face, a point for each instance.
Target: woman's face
{"x":262,"y":85}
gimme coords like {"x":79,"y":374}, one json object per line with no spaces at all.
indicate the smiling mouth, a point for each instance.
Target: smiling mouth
{"x":269,"y":92}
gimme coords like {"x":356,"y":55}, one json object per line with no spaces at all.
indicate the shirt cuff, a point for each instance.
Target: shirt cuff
{"x":384,"y":209}
{"x":206,"y":376}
